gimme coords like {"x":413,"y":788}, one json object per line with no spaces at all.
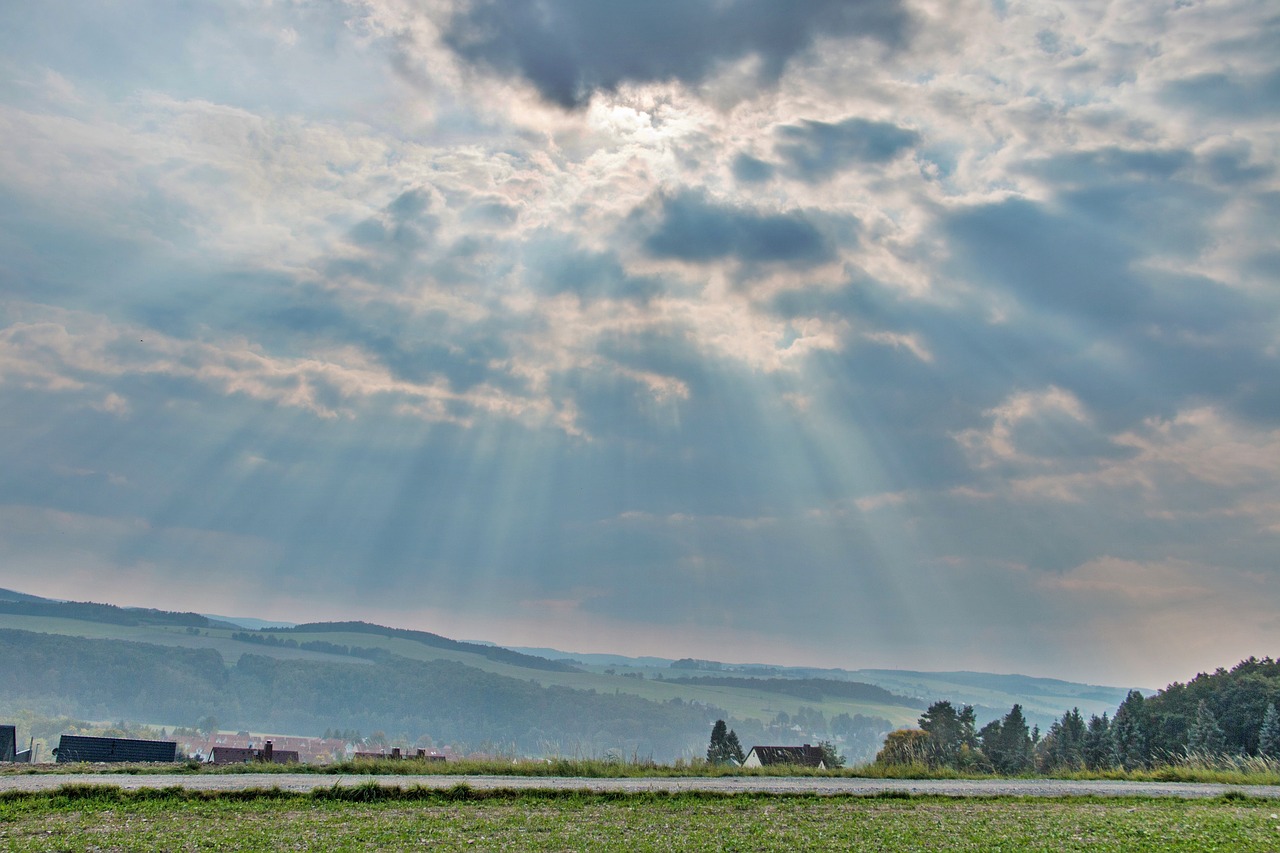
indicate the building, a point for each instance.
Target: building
{"x":114,"y":749}
{"x":396,"y":754}
{"x":245,"y":755}
{"x":797,"y":756}
{"x":8,"y":743}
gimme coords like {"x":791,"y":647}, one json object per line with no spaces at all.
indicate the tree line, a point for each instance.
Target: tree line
{"x":1215,"y":716}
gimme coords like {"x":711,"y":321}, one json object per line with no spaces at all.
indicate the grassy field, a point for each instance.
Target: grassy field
{"x":598,"y":769}
{"x":95,"y":818}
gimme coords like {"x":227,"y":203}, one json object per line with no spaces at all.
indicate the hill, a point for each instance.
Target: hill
{"x":296,"y":678}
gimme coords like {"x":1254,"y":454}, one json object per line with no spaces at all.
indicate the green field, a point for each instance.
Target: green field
{"x":465,"y":819}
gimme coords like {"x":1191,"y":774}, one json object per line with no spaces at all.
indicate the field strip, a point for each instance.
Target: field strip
{"x":304,"y":782}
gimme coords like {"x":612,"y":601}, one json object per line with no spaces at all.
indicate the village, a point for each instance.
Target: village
{"x":222,"y":748}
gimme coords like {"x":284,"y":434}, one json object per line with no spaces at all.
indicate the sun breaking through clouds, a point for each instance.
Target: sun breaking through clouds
{"x":879,"y":333}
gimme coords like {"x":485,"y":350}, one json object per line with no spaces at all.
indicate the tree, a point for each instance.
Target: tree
{"x":832,"y":759}
{"x":1128,"y":733}
{"x":1063,"y":747}
{"x":1098,"y":751}
{"x":734,"y":748}
{"x":904,"y":746}
{"x":1269,"y":735}
{"x":1015,"y":743}
{"x":724,"y":747}
{"x":1206,"y":737}
{"x":946,"y":734}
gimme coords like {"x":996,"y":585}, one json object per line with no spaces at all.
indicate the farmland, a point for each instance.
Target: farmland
{"x":458,"y":818}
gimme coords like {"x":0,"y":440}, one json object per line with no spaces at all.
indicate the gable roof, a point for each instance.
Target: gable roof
{"x":801,"y":756}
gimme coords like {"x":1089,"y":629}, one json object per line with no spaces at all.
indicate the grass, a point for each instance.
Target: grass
{"x":1240,"y":773}
{"x":368,"y":817}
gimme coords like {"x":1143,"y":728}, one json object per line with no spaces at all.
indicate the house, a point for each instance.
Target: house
{"x":244,"y":755}
{"x":798,"y":756}
{"x":114,"y":749}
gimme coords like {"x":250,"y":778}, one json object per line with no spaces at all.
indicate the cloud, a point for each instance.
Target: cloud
{"x":626,"y":304}
{"x":1227,"y":95}
{"x":692,"y":228}
{"x":569,"y":50}
{"x":814,"y":151}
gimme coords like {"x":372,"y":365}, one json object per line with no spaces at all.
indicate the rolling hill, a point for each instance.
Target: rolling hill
{"x":309,"y":677}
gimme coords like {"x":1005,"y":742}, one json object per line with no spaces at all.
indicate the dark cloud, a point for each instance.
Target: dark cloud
{"x":571,"y":48}
{"x":751,"y":170}
{"x":1231,"y":166}
{"x":816,"y":150}
{"x":555,"y":264}
{"x":694,"y":229}
{"x":1110,"y":163}
{"x":1232,"y":95}
{"x":1052,"y":261}
{"x":405,"y":225}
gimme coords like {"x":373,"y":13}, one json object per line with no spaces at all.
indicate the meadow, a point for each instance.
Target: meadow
{"x":460,"y":818}
{"x":1241,"y":773}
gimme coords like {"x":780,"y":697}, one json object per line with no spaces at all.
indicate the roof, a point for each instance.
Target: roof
{"x":801,"y":756}
{"x":243,"y":755}
{"x":85,"y":748}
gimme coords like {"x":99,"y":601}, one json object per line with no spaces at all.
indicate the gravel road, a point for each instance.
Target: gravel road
{"x":760,"y":784}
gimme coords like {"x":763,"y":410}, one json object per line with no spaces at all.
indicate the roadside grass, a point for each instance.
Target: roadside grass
{"x":371,"y":817}
{"x":1237,"y":773}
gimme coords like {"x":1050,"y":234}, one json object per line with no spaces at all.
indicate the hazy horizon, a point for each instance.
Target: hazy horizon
{"x":880,"y":334}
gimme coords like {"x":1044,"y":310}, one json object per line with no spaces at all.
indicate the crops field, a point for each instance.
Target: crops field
{"x":361,"y":818}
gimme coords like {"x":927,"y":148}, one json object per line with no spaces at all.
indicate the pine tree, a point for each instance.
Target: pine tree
{"x":1128,"y":733}
{"x":1098,"y":754}
{"x":1269,"y":735}
{"x":1016,"y":741}
{"x":733,"y":749}
{"x":717,"y":750}
{"x":1206,"y":737}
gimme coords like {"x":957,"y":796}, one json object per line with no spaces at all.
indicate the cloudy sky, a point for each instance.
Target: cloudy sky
{"x":881,"y":333}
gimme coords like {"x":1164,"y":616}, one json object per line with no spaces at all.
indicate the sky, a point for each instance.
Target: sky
{"x":890,"y":333}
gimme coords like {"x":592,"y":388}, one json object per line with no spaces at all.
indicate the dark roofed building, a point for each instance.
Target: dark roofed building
{"x":244,"y":755}
{"x":8,"y":743}
{"x":113,"y":749}
{"x":798,"y":756}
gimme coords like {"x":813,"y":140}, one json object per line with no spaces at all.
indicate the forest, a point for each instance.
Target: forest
{"x":1221,"y":718}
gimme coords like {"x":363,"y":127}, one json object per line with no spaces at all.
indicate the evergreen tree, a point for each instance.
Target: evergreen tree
{"x":1063,"y":746}
{"x":943,"y":725}
{"x":1007,"y":743}
{"x":950,"y":733}
{"x":1128,"y":733}
{"x":1015,"y":742}
{"x":733,"y":748}
{"x":1269,"y":735}
{"x":1206,"y":737}
{"x":718,"y":749}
